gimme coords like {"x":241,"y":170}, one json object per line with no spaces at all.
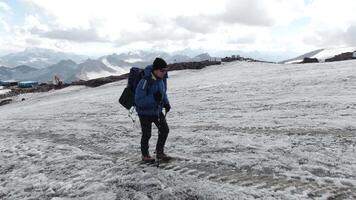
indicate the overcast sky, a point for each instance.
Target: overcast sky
{"x":94,"y":27}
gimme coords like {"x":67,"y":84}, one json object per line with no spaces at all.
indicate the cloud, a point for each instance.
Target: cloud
{"x":215,"y":24}
{"x":153,"y":35}
{"x":4,"y":7}
{"x":248,"y":39}
{"x":33,"y":41}
{"x":197,"y":24}
{"x":349,"y":35}
{"x":247,"y":12}
{"x":331,"y":14}
{"x":336,"y":37}
{"x":74,"y":34}
{"x":332,"y":23}
{"x":238,"y":12}
{"x":5,"y":10}
{"x":4,"y":25}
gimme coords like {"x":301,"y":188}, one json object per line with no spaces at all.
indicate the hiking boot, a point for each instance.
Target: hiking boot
{"x":164,"y":157}
{"x":148,"y":159}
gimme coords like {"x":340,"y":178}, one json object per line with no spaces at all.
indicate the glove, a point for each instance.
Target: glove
{"x":158,"y":97}
{"x":167,"y":107}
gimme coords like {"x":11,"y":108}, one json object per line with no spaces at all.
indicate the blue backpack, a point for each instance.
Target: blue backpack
{"x":127,"y":98}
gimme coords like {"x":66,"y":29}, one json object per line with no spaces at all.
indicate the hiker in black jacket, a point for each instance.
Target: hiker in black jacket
{"x":150,"y":99}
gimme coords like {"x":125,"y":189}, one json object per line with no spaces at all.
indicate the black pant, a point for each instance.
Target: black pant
{"x":146,"y":126}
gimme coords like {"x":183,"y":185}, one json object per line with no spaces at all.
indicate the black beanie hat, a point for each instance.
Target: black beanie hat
{"x":159,"y":63}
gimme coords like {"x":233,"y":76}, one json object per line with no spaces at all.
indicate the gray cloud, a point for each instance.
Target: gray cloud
{"x":350,"y":35}
{"x":197,"y":24}
{"x":161,"y":29}
{"x":325,"y":38}
{"x":74,"y":34}
{"x":152,"y":35}
{"x":334,"y":37}
{"x":243,"y":40}
{"x":33,"y":41}
{"x":246,"y":12}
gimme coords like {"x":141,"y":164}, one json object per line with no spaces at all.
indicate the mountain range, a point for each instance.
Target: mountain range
{"x":42,"y":64}
{"x":69,"y":69}
{"x":38,"y":58}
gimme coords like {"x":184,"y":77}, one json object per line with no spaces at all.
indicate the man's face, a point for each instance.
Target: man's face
{"x":160,"y":73}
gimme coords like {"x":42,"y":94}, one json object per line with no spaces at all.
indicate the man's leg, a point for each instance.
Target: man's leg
{"x":146,"y":127}
{"x":163,"y":133}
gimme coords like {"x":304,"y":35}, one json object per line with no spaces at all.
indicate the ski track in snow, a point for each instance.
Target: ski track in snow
{"x":238,"y":131}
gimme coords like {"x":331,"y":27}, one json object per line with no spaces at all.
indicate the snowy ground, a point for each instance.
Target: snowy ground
{"x":239,"y":131}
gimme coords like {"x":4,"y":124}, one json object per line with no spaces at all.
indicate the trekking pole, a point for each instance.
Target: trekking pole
{"x":159,"y":132}
{"x":159,"y":127}
{"x":131,"y":111}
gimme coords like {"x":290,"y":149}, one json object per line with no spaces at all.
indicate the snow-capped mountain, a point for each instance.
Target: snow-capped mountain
{"x":321,"y":54}
{"x":91,"y":69}
{"x":202,"y":57}
{"x":179,"y":58}
{"x":38,"y":58}
{"x":142,"y":56}
{"x":5,"y":73}
{"x":12,"y":73}
{"x":66,"y":69}
{"x":146,"y":57}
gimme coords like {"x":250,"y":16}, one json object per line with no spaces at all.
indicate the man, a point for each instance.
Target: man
{"x":150,"y":99}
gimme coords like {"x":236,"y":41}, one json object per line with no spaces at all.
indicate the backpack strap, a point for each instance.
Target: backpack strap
{"x":145,"y":85}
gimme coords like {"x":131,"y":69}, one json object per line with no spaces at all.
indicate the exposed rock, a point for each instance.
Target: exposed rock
{"x":340,"y":57}
{"x":171,"y":67}
{"x":5,"y":101}
{"x":232,"y":58}
{"x":307,"y":55}
{"x":191,"y":65}
{"x":310,"y":60}
{"x":240,"y":58}
{"x":41,"y":88}
{"x":100,"y":81}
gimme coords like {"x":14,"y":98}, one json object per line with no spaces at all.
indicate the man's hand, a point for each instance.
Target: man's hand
{"x":158,"y":97}
{"x":167,"y":107}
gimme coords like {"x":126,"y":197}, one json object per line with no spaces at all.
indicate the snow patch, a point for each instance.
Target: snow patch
{"x":133,"y":60}
{"x":94,"y":75}
{"x":294,"y":61}
{"x":4,"y":91}
{"x":119,"y":70}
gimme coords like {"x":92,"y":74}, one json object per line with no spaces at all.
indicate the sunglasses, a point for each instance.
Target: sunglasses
{"x":163,"y":70}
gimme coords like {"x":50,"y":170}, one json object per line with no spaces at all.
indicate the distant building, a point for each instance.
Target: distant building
{"x":8,"y":83}
{"x":27,"y":84}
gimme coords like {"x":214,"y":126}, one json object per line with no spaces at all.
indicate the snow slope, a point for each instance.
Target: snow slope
{"x":323,"y":54}
{"x":239,"y":131}
{"x":329,"y":53}
{"x":119,"y":70}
